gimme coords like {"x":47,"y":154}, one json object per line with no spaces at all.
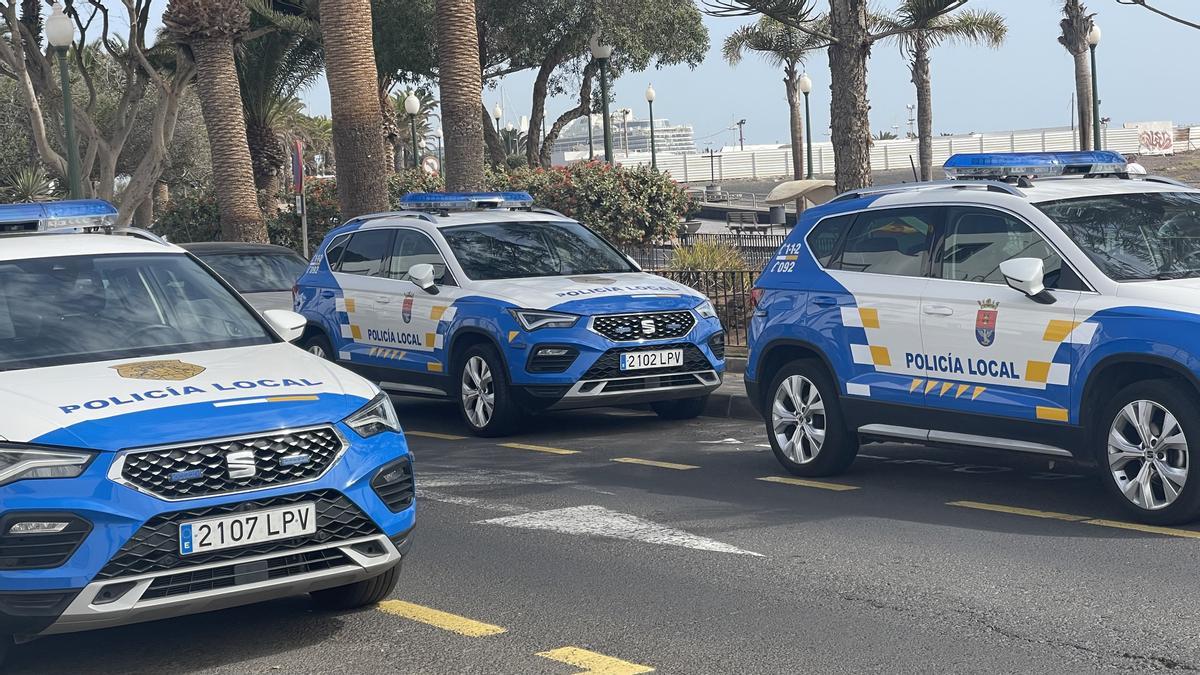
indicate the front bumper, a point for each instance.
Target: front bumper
{"x":128,"y":569}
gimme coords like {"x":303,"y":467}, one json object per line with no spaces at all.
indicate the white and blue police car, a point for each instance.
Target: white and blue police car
{"x":1042,"y":303}
{"x":164,"y":450}
{"x":506,"y":309}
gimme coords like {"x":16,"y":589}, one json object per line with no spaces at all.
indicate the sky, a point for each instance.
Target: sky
{"x":1146,"y":69}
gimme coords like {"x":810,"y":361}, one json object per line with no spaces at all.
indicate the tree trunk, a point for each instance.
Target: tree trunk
{"x":849,"y":107}
{"x":143,"y":216}
{"x":391,"y":133}
{"x":268,"y":156}
{"x":537,"y":113}
{"x":795,"y":119}
{"x":354,"y":102}
{"x":461,"y":87}
{"x":546,"y":152}
{"x":923,"y":82}
{"x":162,"y":197}
{"x":221,"y":107}
{"x":1083,"y":98}
{"x":491,"y":136}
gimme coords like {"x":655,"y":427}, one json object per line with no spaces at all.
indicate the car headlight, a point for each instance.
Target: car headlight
{"x":18,"y":463}
{"x":533,"y":319}
{"x":706,"y":310}
{"x":375,"y":417}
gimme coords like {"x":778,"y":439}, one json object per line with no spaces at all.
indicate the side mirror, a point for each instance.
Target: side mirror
{"x":421,"y":274}
{"x":287,"y":323}
{"x":1027,"y":275}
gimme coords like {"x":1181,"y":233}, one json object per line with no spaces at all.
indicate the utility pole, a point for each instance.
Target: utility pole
{"x":741,"y":125}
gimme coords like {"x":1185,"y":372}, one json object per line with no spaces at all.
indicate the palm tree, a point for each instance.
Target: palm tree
{"x":784,"y":47}
{"x":923,"y":24}
{"x":208,"y":28}
{"x":354,"y":102}
{"x":1076,"y":24}
{"x":461,"y":84}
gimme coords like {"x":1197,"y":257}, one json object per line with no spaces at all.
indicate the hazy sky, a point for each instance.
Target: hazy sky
{"x":1147,"y":71}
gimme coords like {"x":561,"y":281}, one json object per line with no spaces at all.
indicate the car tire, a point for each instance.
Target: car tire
{"x":484,"y":397}
{"x":1143,"y":485}
{"x":359,"y":593}
{"x":318,"y":345}
{"x":680,"y":409}
{"x":805,"y":424}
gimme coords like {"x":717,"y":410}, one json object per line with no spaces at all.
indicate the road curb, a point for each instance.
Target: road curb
{"x":731,"y":406}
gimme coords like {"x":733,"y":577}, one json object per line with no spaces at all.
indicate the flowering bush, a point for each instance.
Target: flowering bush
{"x":190,"y":217}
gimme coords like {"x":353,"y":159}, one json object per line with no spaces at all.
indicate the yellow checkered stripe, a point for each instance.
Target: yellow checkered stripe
{"x":942,"y":387}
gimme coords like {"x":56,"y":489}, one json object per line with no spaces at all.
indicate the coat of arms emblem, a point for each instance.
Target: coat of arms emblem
{"x":985,"y":322}
{"x":172,"y":369}
{"x":406,"y":308}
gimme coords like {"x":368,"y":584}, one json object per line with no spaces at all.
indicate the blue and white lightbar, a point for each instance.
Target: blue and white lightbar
{"x":465,"y":201}
{"x":77,"y":214}
{"x":1001,"y":165}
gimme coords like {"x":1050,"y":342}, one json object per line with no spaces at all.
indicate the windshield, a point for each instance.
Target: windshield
{"x":77,"y":309}
{"x":1153,"y":235}
{"x":546,"y":249}
{"x":257,"y":272}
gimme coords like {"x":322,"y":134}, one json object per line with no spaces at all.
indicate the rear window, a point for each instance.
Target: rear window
{"x":258,"y":272}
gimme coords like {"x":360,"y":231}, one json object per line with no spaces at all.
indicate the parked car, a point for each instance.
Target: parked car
{"x":263,"y":273}
{"x":506,"y":309}
{"x":1055,"y":315}
{"x":165,"y":449}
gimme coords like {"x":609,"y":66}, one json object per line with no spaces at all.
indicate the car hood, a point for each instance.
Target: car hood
{"x":111,"y":405}
{"x":1180,"y":294}
{"x":594,"y":293}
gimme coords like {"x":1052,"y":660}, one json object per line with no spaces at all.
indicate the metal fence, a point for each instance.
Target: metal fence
{"x":730,"y":295}
{"x":755,"y":249}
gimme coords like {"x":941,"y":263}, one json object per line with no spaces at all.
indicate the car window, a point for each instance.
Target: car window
{"x":366,"y":253}
{"x":532,"y":249}
{"x":413,"y":248}
{"x":978,"y":240}
{"x":258,"y":272}
{"x":333,"y":254}
{"x":96,"y":308}
{"x":889,"y":242}
{"x":823,"y":239}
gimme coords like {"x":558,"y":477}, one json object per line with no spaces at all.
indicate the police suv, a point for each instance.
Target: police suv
{"x":164,"y":450}
{"x":1042,"y":303}
{"x":506,"y":309}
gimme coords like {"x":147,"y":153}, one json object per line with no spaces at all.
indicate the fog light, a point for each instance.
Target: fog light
{"x":553,"y":351}
{"x":37,"y":527}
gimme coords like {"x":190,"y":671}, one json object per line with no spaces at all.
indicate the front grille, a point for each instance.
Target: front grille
{"x":40,"y":551}
{"x":394,"y":484}
{"x":649,"y":326}
{"x":609,"y":364}
{"x":155,"y":546}
{"x":203,"y":469}
{"x":237,"y":574}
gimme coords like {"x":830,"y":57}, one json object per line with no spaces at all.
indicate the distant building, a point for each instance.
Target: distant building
{"x":629,"y":135}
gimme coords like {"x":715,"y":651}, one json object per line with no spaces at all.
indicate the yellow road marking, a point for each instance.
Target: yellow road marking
{"x":1016,"y":510}
{"x":434,"y":434}
{"x":594,"y":663}
{"x":1052,"y":414}
{"x":1152,"y":529}
{"x":836,"y":487}
{"x":651,"y":462}
{"x":540,"y":448}
{"x":439,"y":619}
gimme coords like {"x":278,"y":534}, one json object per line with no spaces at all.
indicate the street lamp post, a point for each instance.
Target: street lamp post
{"x":412,"y":106}
{"x":508,"y":139}
{"x":60,"y":33}
{"x":591,"y":145}
{"x":806,"y":87}
{"x":1093,"y":39}
{"x":650,"y":96}
{"x":602,"y":53}
{"x":437,"y":133}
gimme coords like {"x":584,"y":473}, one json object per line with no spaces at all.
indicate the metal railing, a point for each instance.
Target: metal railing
{"x":755,"y":248}
{"x":729,"y":293}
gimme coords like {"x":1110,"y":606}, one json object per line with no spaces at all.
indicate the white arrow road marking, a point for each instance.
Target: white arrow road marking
{"x":723,"y":441}
{"x":598,"y":521}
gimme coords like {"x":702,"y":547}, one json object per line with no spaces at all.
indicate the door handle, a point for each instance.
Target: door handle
{"x":383,"y":299}
{"x":326,"y":294}
{"x":937,"y":310}
{"x":824,"y":301}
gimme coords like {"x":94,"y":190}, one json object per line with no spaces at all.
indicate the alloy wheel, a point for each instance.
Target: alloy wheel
{"x":1148,"y":454}
{"x":318,"y":350}
{"x":478,"y":394}
{"x":798,"y":419}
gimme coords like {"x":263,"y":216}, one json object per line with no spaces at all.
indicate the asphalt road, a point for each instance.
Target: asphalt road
{"x":531,"y":558}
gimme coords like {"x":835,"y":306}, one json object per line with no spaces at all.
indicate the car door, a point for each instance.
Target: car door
{"x":361,"y":277}
{"x":417,"y":318}
{"x":990,"y":349}
{"x":882,"y":267}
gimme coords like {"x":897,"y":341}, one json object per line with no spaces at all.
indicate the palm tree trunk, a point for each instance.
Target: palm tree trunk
{"x":491,"y":136}
{"x":354,"y":102}
{"x":461,"y":87}
{"x":391,"y":133}
{"x":795,"y":119}
{"x":1083,"y":98}
{"x":267,"y":156}
{"x":221,"y":108}
{"x":849,"y":106}
{"x":923,"y":82}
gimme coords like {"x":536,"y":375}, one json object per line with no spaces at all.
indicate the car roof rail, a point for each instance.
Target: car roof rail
{"x":989,"y":185}
{"x":142,"y":234}
{"x":1164,"y":179}
{"x":398,"y":214}
{"x":549,"y":211}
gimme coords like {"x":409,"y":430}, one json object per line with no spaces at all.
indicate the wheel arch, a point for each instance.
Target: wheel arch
{"x":467,"y":337}
{"x":781,"y":351}
{"x":1118,"y":371}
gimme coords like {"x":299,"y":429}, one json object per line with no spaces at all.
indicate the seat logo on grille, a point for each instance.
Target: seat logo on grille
{"x":648,"y":327}
{"x":240,"y":464}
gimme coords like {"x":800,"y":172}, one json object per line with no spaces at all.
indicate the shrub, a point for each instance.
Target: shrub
{"x":28,"y":184}
{"x":707,"y":256}
{"x":192,"y":216}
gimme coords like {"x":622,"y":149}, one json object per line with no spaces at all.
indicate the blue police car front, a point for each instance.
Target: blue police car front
{"x":506,"y":309}
{"x":167,"y":451}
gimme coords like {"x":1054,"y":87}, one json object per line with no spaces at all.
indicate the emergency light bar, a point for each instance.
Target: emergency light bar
{"x":1002,"y":165}
{"x":78,"y":214}
{"x":462,"y":201}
